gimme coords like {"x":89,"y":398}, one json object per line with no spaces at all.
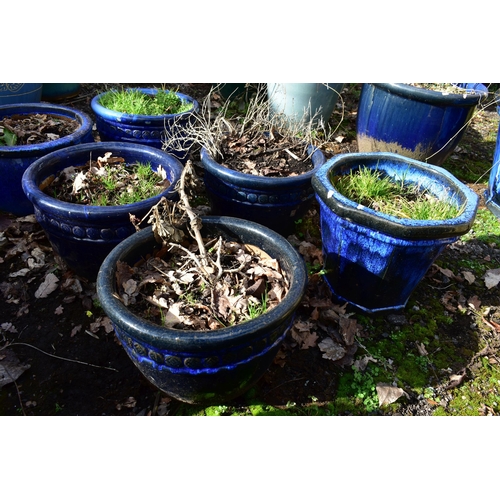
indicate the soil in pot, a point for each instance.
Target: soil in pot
{"x":106,"y":181}
{"x":22,"y":130}
{"x":268,"y":155}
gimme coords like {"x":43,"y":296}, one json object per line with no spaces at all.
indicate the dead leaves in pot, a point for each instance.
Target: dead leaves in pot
{"x":170,"y":291}
{"x":106,"y":181}
{"x":38,"y":128}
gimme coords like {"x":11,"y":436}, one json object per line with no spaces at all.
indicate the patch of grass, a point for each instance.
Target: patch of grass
{"x":486,"y":228}
{"x":369,"y":187}
{"x":135,"y":102}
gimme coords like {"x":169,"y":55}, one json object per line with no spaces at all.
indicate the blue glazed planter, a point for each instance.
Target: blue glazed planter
{"x":493,"y":192}
{"x":418,"y":123}
{"x":142,"y":129}
{"x":373,"y":260}
{"x":301,"y":101}
{"x":274,"y":202}
{"x":204,"y":367}
{"x":84,"y":235}
{"x":54,"y":92}
{"x":14,"y":160}
{"x":17,"y":93}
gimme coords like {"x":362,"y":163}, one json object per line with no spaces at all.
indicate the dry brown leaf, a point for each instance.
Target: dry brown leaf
{"x":470,"y":278}
{"x":11,"y":368}
{"x":47,"y":287}
{"x":331,"y":349}
{"x":474,"y":302}
{"x":492,"y":278}
{"x":348,"y":328}
{"x":388,"y":394}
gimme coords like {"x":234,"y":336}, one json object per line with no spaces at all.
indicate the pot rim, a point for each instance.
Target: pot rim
{"x":85,"y":127}
{"x":476,"y":91}
{"x":130,"y":118}
{"x":388,"y":224}
{"x":198,"y":340}
{"x":257,"y":181}
{"x":40,"y":169}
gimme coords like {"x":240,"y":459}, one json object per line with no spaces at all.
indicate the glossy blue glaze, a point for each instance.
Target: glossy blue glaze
{"x":493,"y":192}
{"x":274,"y":202}
{"x":373,"y":260}
{"x":17,"y":93}
{"x":205,"y":367}
{"x":415,"y":122}
{"x":84,"y":235}
{"x":141,"y":129}
{"x":14,"y":160}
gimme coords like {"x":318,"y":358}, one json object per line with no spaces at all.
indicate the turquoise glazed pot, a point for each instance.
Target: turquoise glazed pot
{"x":493,"y":192}
{"x":299,"y":102}
{"x":142,"y":129}
{"x":14,"y":160}
{"x":422,"y":124}
{"x":204,"y":367}
{"x":83,"y":235}
{"x":55,"y":92}
{"x":271,"y":201}
{"x":17,"y":93}
{"x":373,"y":260}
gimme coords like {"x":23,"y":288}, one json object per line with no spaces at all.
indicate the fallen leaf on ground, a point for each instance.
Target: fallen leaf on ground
{"x":387,"y":393}
{"x":492,"y":278}
{"x":47,"y":287}
{"x":456,"y":379}
{"x":469,"y":277}
{"x":331,"y":350}
{"x":11,"y":368}
{"x":8,"y":327}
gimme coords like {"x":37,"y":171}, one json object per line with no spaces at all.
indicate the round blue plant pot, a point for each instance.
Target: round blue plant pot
{"x":83,"y":235}
{"x":14,"y":160}
{"x":18,"y":93}
{"x":143,"y":129}
{"x":204,"y":367}
{"x":493,"y":191}
{"x":271,"y":201}
{"x":373,"y":260}
{"x":422,"y":124}
{"x":300,"y":102}
{"x":55,"y":92}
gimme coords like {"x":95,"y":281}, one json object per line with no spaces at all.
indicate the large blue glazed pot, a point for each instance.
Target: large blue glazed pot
{"x":373,"y":260}
{"x":17,"y":93}
{"x":204,"y":367}
{"x":300,"y":102}
{"x":83,"y":235}
{"x":493,"y":191}
{"x":422,"y":124}
{"x":14,"y":160}
{"x":143,"y":129}
{"x":274,"y":202}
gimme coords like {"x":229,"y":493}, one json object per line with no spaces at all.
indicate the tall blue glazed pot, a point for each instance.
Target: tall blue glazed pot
{"x":373,"y":260}
{"x":83,"y":235}
{"x":275,"y":202}
{"x":204,"y":367}
{"x":143,"y":129}
{"x":493,"y":191}
{"x":422,"y":124}
{"x":14,"y":160}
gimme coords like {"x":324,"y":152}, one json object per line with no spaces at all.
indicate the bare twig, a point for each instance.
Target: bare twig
{"x":58,"y":357}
